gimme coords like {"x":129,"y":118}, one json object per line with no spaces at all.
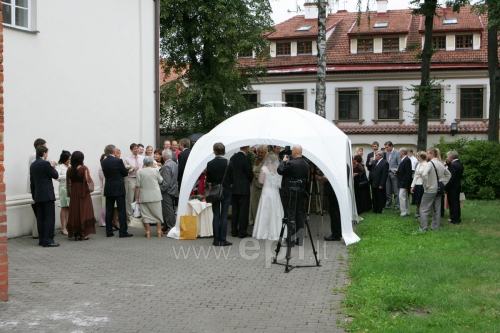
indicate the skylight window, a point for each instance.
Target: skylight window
{"x":381,"y":25}
{"x":305,"y":28}
{"x":450,"y":21}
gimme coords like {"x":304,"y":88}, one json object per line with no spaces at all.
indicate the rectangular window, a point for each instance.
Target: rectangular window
{"x":295,"y":99}
{"x":388,"y":104}
{"x":304,"y":47}
{"x":246,"y":54}
{"x":435,"y":107}
{"x":463,"y":42}
{"x":471,"y":102}
{"x":16,"y":13}
{"x":439,"y":42}
{"x":251,"y":99}
{"x":365,"y":45}
{"x":348,"y":104}
{"x":283,"y":48}
{"x":390,"y":44}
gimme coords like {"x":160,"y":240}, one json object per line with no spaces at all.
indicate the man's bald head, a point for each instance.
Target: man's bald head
{"x":297,"y":151}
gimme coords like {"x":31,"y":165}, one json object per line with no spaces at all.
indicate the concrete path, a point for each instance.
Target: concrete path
{"x":166,"y":285}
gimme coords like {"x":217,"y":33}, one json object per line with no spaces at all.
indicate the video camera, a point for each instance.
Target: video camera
{"x":286,"y":151}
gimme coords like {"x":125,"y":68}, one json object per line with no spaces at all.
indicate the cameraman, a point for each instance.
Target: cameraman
{"x":294,"y":169}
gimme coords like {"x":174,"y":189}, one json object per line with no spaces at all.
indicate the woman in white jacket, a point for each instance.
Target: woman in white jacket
{"x":62,"y":168}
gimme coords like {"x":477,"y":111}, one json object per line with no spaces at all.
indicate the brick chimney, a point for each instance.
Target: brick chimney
{"x":382,"y":7}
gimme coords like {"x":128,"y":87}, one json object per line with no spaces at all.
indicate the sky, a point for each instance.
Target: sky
{"x":281,"y":7}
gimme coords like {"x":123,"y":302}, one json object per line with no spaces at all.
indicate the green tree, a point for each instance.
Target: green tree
{"x":201,"y":41}
{"x":492,"y":7}
{"x":428,"y":10}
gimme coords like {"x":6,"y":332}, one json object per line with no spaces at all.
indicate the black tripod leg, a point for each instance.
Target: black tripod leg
{"x":278,"y":246}
{"x":312,"y":244}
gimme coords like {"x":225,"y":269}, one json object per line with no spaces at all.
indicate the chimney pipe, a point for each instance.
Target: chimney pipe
{"x":381,"y":7}
{"x":311,"y":10}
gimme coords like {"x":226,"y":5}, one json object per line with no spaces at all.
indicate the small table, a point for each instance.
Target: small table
{"x":204,"y":216}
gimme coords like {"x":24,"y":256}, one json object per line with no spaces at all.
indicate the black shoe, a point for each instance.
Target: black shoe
{"x":331,"y":238}
{"x":126,"y":235}
{"x":455,"y":222}
{"x":234,"y":234}
{"x":245,"y":236}
{"x":51,"y":245}
{"x":216,"y":244}
{"x":110,"y":235}
{"x":225,"y":243}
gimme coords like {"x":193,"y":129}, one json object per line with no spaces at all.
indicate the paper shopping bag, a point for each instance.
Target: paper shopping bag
{"x":188,"y":227}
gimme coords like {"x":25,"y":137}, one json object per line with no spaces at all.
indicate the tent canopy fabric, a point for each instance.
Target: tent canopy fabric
{"x":322,"y":143}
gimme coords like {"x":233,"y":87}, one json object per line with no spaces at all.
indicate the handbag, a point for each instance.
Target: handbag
{"x":188,"y":227}
{"x":215,"y":193}
{"x":440,"y":187}
{"x":136,"y":222}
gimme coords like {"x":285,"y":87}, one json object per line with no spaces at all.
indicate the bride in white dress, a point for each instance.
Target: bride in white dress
{"x":269,"y":216}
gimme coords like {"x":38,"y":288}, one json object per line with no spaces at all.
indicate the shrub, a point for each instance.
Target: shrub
{"x":479,"y":157}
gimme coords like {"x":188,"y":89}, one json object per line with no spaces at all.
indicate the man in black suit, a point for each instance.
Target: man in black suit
{"x":42,"y":192}
{"x":294,"y":169}
{"x":403,"y":175}
{"x":333,"y":209}
{"x":370,"y":159}
{"x":114,"y":190}
{"x":240,"y":192}
{"x":454,"y":186}
{"x":182,"y":159}
{"x":378,"y":178}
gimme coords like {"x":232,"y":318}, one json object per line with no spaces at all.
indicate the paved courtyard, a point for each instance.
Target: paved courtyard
{"x":167,"y":285}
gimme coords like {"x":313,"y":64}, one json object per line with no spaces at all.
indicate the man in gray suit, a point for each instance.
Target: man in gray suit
{"x":169,"y":173}
{"x":393,"y":159}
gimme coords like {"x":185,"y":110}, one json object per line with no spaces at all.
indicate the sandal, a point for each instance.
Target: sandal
{"x":147,"y":235}
{"x":160,"y":234}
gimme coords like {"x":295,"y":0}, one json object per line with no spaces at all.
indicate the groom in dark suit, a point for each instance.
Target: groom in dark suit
{"x":114,"y":190}
{"x":454,"y":186}
{"x":378,"y":178}
{"x":42,"y":192}
{"x":240,"y":193}
{"x":182,"y":159}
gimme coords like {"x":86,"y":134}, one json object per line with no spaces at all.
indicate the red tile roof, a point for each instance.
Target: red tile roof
{"x":339,"y":56}
{"x":288,"y":29}
{"x":412,"y":129}
{"x":399,"y":21}
{"x":466,"y":21}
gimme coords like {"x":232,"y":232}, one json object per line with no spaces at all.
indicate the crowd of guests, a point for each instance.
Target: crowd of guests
{"x":395,"y":175}
{"x":257,"y":188}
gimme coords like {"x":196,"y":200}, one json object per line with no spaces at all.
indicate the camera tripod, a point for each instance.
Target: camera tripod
{"x":290,"y":224}
{"x":318,"y":200}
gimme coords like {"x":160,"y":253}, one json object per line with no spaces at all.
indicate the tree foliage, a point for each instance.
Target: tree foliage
{"x":200,"y":41}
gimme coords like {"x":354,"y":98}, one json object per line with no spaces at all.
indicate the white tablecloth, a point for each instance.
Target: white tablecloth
{"x":204,"y":217}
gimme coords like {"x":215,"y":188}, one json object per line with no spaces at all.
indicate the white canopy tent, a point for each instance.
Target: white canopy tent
{"x":322,"y":142}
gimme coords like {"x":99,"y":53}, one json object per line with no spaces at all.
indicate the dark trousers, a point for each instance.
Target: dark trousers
{"x":122,"y":214}
{"x":334,"y":211}
{"x":378,"y":199}
{"x":239,"y":216}
{"x":220,"y":210}
{"x":454,"y":204}
{"x":168,"y":211}
{"x":296,"y":215}
{"x":45,"y":220}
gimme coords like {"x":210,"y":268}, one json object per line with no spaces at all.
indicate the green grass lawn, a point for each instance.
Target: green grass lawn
{"x":402,"y":280}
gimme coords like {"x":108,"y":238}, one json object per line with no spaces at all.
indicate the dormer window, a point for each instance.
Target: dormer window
{"x":439,"y":42}
{"x":246,"y":54}
{"x":463,"y":42}
{"x":304,"y":47}
{"x":381,"y":25}
{"x":390,"y":44}
{"x":448,"y":21}
{"x":305,"y":28}
{"x":283,"y":48}
{"x":365,"y":45}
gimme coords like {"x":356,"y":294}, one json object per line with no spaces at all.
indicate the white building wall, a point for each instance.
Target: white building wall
{"x":86,"y":79}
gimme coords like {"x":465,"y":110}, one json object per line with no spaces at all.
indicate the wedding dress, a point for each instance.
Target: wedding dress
{"x":268,"y":221}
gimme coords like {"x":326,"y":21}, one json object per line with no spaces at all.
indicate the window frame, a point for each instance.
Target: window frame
{"x":400,"y":118}
{"x":364,"y":44}
{"x":441,"y":118}
{"x":31,"y":12}
{"x":288,"y":91}
{"x":304,"y":42}
{"x":391,"y":44}
{"x":253,"y":92}
{"x":435,"y":42}
{"x":338,"y":92}
{"x":283,"y":44}
{"x":459,"y":103}
{"x":458,"y":37}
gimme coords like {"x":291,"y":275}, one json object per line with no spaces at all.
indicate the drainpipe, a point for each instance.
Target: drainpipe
{"x":157,"y":71}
